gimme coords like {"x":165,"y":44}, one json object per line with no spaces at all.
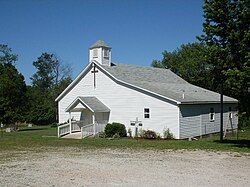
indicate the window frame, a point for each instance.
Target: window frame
{"x":230,"y":112}
{"x":211,"y":114}
{"x":95,"y":53}
{"x":106,"y":53}
{"x":147,"y":113}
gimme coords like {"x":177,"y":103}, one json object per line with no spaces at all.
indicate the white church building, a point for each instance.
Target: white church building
{"x":105,"y":92}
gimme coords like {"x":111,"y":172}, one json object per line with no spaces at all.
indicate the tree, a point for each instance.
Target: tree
{"x":51,"y":78}
{"x":190,"y":61}
{"x":227,"y":33}
{"x":6,"y":55}
{"x":12,"y":88}
{"x":41,"y":108}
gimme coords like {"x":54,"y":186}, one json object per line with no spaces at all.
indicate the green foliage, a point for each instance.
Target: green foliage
{"x":101,"y":135}
{"x":227,"y":33}
{"x":115,"y":129}
{"x":190,"y":62}
{"x":222,"y":56}
{"x":50,"y":72}
{"x":51,"y":78}
{"x":244,"y":122}
{"x":116,"y":135}
{"x":167,"y":134}
{"x":6,"y":55}
{"x":12,"y":88}
{"x":41,"y":107}
{"x":54,"y":125}
{"x":148,"y":134}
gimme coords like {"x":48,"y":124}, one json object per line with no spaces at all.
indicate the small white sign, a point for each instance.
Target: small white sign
{"x":1,"y":125}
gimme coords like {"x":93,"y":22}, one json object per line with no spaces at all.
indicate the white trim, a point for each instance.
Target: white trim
{"x":178,"y":102}
{"x":178,"y":118}
{"x":205,"y":102}
{"x":78,"y":98}
{"x":146,"y":113}
{"x":74,"y":82}
{"x":71,"y":104}
{"x":211,"y":114}
{"x":70,"y":123}
{"x":93,"y":121}
{"x":97,"y":64}
{"x":87,"y":106}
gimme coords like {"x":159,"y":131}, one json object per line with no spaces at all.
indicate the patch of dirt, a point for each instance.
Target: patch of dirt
{"x":105,"y":167}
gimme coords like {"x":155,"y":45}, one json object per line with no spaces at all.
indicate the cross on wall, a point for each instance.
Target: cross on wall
{"x":136,"y":123}
{"x":94,"y":72}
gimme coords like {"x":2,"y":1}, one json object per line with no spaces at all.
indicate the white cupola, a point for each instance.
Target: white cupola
{"x":100,"y":52}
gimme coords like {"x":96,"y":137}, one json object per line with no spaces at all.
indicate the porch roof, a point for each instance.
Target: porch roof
{"x":91,"y":103}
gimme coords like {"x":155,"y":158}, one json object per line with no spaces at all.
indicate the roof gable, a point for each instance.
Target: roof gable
{"x":92,"y":103}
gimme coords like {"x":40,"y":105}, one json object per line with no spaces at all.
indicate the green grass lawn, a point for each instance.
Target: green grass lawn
{"x":39,"y":138}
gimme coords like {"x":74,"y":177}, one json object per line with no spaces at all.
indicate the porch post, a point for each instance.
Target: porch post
{"x":93,"y":118}
{"x":70,"y":122}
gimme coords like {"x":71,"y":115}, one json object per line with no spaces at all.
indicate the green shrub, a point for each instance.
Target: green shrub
{"x":115,"y":128}
{"x":149,"y":134}
{"x":167,"y":134}
{"x":116,"y":135}
{"x":141,"y":132}
{"x":158,"y":136}
{"x":102,"y":135}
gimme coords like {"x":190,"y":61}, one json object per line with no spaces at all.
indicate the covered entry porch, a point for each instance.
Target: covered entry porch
{"x":94,"y":116}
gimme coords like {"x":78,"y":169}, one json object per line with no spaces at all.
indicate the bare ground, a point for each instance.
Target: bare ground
{"x":108,"y":167}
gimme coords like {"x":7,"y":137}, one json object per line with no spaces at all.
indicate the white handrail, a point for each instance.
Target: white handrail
{"x":63,"y":129}
{"x":75,"y":127}
{"x":87,"y":130}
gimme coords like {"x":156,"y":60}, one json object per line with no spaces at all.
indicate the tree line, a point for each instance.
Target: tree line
{"x":33,"y":103}
{"x":220,"y":59}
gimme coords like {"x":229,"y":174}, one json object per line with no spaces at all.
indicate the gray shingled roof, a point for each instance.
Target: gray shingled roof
{"x":164,"y":82}
{"x":91,"y":102}
{"x":100,"y":43}
{"x":95,"y":104}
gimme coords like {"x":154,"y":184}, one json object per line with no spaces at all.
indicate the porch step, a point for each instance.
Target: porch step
{"x":75,"y":135}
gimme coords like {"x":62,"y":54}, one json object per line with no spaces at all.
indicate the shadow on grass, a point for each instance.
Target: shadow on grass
{"x":33,"y":129}
{"x":237,"y":143}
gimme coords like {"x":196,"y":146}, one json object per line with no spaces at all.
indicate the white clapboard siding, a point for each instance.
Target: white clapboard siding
{"x":125,"y":104}
{"x":194,"y":119}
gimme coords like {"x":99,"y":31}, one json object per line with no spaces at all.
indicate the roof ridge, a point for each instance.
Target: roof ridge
{"x":100,"y":43}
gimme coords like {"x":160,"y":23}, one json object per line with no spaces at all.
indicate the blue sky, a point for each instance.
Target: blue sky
{"x":137,"y":30}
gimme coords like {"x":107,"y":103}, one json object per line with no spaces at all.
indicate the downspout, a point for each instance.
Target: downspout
{"x":93,"y":119}
{"x":70,"y":123}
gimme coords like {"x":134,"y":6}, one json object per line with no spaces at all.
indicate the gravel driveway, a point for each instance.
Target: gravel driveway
{"x":108,"y":167}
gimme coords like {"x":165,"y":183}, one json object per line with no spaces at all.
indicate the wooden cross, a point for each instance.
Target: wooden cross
{"x":136,"y":123}
{"x":94,"y":71}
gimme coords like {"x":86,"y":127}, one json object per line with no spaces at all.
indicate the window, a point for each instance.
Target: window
{"x":211,"y":114}
{"x":95,"y":53}
{"x":146,"y":113}
{"x":106,"y":53}
{"x":230,"y":112}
